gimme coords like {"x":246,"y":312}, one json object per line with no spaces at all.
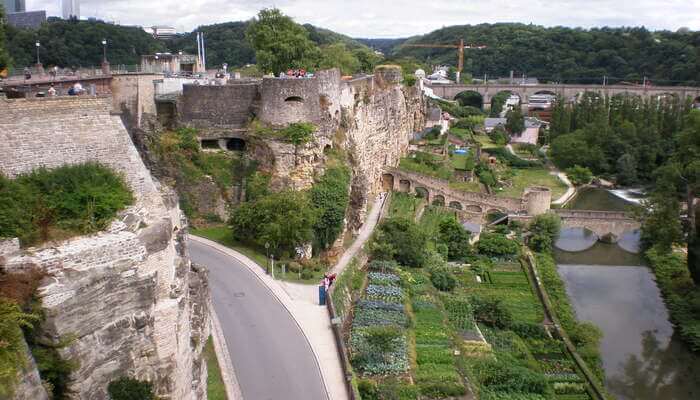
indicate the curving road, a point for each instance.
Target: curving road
{"x":271,"y":357}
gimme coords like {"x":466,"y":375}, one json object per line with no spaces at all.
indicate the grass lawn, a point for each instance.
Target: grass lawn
{"x":411,"y":165}
{"x":403,"y":205}
{"x":467,"y":186}
{"x":462,"y":161}
{"x":430,"y":221}
{"x":215,"y":384}
{"x":533,"y":177}
{"x":222,"y":235}
{"x":485,"y":142}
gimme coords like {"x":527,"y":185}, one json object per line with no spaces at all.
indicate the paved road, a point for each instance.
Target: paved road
{"x":271,"y":357}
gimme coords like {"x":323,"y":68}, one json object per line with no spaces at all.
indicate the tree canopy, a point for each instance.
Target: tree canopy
{"x":561,"y":54}
{"x":4,"y":56}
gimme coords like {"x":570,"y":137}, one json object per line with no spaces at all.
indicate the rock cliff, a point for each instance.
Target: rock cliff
{"x":126,"y":301}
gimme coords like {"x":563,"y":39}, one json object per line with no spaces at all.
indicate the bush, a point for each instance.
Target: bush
{"x":443,"y":279}
{"x":579,"y":175}
{"x":497,"y":245}
{"x":406,"y":240}
{"x":68,"y":200}
{"x":492,"y":312}
{"x":545,"y":229}
{"x":130,"y":389}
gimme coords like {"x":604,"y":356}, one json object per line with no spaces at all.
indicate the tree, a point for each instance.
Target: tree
{"x":661,"y":227}
{"x":497,"y":245}
{"x":280,"y":43}
{"x":330,"y":196}
{"x":545,"y":229}
{"x":627,"y":169}
{"x":4,"y":56}
{"x":285,"y":220}
{"x":130,"y":389}
{"x":453,"y":234}
{"x":569,"y":150}
{"x":337,"y":56}
{"x":579,"y":175}
{"x":367,"y":58}
{"x":406,"y":240}
{"x":515,"y":121}
{"x":687,"y":165}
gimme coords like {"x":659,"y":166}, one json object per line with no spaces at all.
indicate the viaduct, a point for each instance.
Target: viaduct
{"x":487,"y":91}
{"x":474,"y":207}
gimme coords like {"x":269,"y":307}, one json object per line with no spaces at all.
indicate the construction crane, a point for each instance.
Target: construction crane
{"x":460,"y":52}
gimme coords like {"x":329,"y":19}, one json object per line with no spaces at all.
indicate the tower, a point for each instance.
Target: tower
{"x":14,"y":6}
{"x":71,"y":8}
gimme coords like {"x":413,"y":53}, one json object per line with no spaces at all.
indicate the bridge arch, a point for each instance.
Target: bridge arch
{"x":439,"y":200}
{"x":404,"y":186}
{"x":456,"y":205}
{"x":546,"y":91}
{"x":387,"y":182}
{"x":470,"y":98}
{"x":422,"y":193}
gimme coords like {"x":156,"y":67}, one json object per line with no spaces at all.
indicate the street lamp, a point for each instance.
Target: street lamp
{"x":37,"y":52}
{"x":267,"y":252}
{"x":104,"y":50}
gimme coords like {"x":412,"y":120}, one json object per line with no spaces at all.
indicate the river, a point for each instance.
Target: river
{"x":609,"y":286}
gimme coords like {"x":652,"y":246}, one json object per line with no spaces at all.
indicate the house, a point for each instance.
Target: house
{"x":474,"y":229}
{"x":529,"y":135}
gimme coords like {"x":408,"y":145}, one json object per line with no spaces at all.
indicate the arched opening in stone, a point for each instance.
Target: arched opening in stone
{"x":422,"y":193}
{"x":327,"y":149}
{"x":502,"y":102}
{"x":404,"y":186}
{"x":696,"y":102}
{"x":210,"y":144}
{"x":493,"y":215}
{"x":439,"y":200}
{"x":549,"y":92}
{"x":470,"y":98}
{"x":456,"y":205}
{"x":235,"y":144}
{"x":387,"y":182}
{"x":473,"y":208}
{"x":294,"y":99}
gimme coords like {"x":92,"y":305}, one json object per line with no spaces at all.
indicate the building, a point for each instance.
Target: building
{"x":161,"y":32}
{"x":168,"y":63}
{"x":71,"y":9}
{"x":29,"y":19}
{"x":14,"y":6}
{"x":529,"y":135}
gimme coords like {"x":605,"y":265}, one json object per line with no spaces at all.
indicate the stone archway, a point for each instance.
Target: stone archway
{"x":387,"y":182}
{"x":470,"y":98}
{"x":494,"y":214}
{"x":473,"y":208}
{"x":404,"y":186}
{"x":456,"y":205}
{"x":423,"y":193}
{"x":439,"y":200}
{"x":235,"y":144}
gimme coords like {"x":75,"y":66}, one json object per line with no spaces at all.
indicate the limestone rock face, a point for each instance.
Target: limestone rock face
{"x":128,"y":299}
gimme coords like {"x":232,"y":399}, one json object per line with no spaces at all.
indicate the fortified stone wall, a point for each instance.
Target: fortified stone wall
{"x":289,"y":100}
{"x":128,"y":295}
{"x":133,"y":96}
{"x":229,"y":106}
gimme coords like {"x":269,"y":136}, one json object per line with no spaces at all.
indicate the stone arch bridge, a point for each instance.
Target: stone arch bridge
{"x":609,"y":226}
{"x":566,"y":91}
{"x":437,"y":191}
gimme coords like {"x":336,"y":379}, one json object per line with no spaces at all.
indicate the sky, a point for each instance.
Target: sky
{"x":394,"y":18}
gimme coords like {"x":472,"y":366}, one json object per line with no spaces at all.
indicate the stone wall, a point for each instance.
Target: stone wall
{"x":133,"y":96}
{"x":227,"y":106}
{"x":289,"y":100}
{"x":128,"y":295}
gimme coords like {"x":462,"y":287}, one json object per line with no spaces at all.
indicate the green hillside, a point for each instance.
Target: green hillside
{"x":566,"y":54}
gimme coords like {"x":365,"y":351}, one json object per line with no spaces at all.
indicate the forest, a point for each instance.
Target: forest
{"x":562,"y":54}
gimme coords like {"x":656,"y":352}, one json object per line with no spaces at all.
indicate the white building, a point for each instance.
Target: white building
{"x":71,"y":9}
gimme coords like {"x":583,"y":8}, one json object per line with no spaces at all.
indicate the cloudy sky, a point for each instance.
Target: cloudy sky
{"x":394,"y":18}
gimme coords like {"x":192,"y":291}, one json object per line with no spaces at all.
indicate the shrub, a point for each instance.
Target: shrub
{"x":406,"y":239}
{"x":12,"y":353}
{"x":130,"y":389}
{"x":497,"y":245}
{"x":579,"y":175}
{"x":545,"y":229}
{"x":492,"y":312}
{"x":443,"y":279}
{"x":74,"y":199}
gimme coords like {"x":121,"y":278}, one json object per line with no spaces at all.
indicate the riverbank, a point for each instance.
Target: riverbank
{"x":681,"y":295}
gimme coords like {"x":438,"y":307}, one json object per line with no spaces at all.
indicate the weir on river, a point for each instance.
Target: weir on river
{"x":610,"y":286}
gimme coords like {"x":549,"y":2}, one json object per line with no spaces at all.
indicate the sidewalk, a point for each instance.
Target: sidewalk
{"x":302,"y":303}
{"x":365,"y":233}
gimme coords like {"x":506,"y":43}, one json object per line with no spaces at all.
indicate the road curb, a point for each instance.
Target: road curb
{"x":228,"y":374}
{"x":260,"y":274}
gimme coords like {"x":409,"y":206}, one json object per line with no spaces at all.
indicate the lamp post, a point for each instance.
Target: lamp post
{"x":104,"y":50}
{"x":37,"y":52}
{"x":267,"y":252}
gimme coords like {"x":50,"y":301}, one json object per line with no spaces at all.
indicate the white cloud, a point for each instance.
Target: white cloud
{"x":397,"y":18}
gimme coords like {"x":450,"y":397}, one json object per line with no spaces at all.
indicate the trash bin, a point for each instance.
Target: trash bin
{"x":322,"y":295}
